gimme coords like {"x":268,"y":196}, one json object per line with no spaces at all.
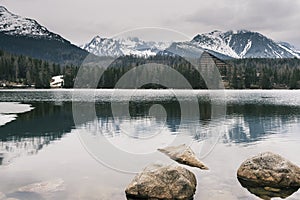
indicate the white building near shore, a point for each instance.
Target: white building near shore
{"x":57,"y":81}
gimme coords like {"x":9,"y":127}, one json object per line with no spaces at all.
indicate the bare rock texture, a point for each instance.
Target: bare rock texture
{"x":269,"y":175}
{"x":183,"y":154}
{"x":158,"y":182}
{"x":269,"y":169}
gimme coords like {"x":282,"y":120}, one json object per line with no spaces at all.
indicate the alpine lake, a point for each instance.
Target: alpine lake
{"x":89,"y":144}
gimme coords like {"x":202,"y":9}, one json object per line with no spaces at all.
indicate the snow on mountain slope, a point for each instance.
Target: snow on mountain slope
{"x":12,"y":24}
{"x":225,"y":45}
{"x":244,"y":44}
{"x":230,"y":44}
{"x":123,"y":46}
{"x":216,"y":42}
{"x":290,"y":48}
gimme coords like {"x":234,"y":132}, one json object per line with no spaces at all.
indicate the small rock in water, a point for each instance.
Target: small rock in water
{"x":183,"y":155}
{"x":55,"y":185}
{"x":163,"y":182}
{"x":269,"y":175}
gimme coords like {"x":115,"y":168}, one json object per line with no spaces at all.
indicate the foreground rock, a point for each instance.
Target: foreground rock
{"x":269,"y":169}
{"x":183,"y":155}
{"x":269,"y":175}
{"x":163,"y":182}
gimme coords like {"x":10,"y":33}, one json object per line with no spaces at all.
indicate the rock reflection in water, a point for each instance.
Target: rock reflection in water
{"x":266,"y":192}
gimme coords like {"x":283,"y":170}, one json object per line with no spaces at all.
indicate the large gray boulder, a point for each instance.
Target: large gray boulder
{"x":162,"y":182}
{"x":269,"y":170}
{"x":183,"y":154}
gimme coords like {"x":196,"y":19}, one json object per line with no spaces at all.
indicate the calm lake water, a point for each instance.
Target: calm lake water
{"x":116,"y":133}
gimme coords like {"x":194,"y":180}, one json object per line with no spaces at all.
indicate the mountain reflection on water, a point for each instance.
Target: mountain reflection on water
{"x":49,"y":121}
{"x":253,"y":122}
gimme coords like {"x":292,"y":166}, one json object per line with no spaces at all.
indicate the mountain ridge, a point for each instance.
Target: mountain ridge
{"x":244,"y":44}
{"x":230,"y":44}
{"x":123,"y":46}
{"x":12,"y":24}
{"x":26,"y":36}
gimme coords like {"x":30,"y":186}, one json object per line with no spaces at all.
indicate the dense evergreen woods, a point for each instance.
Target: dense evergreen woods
{"x":123,"y":64}
{"x":237,"y":74}
{"x":26,"y":72}
{"x":253,"y":73}
{"x":57,"y":50}
{"x":263,"y":73}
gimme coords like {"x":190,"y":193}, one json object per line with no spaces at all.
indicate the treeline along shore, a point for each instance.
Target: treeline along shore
{"x":250,"y":73}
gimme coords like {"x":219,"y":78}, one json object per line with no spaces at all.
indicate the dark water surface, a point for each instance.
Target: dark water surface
{"x":225,"y":128}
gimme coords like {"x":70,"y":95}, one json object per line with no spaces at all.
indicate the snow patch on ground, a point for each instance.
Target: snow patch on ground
{"x":4,"y":119}
{"x":8,"y":111}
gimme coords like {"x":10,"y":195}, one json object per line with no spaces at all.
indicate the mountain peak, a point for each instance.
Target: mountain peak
{"x":98,"y":38}
{"x":215,"y":32}
{"x":12,"y":24}
{"x":3,"y":9}
{"x":241,"y":31}
{"x":224,"y":44}
{"x":121,"y":46}
{"x":244,"y":44}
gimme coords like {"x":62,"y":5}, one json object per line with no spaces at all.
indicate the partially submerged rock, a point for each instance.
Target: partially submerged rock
{"x":163,"y":182}
{"x":183,"y":155}
{"x":269,"y":175}
{"x":269,"y":169}
{"x":55,"y":185}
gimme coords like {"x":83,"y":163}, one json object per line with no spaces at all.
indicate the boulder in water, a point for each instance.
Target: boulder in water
{"x":163,"y":182}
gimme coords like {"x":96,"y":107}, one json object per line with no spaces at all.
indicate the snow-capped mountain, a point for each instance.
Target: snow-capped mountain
{"x":225,"y":45}
{"x":244,"y":44}
{"x":12,"y":24}
{"x":124,"y":46}
{"x":23,"y":36}
{"x":26,"y":36}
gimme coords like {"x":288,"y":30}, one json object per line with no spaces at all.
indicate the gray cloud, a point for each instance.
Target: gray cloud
{"x":275,"y":18}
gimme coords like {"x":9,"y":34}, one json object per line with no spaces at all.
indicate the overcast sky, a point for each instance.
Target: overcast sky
{"x":79,"y":21}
